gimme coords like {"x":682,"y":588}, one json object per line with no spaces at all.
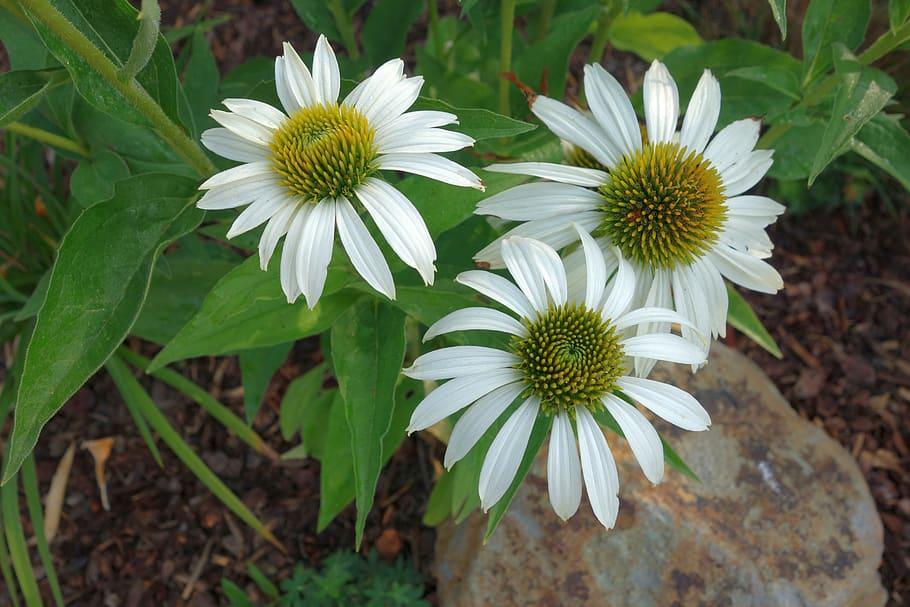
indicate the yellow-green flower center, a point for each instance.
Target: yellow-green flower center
{"x":663,"y":205}
{"x":324,"y":151}
{"x":571,"y":357}
{"x":578,"y":157}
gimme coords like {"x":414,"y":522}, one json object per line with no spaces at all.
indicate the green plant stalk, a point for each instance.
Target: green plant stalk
{"x":132,"y":91}
{"x":433,"y":17}
{"x":602,"y":33}
{"x":144,"y":42}
{"x":47,"y":137}
{"x":345,"y":29}
{"x":6,"y":568}
{"x":506,"y":26}
{"x":544,"y":17}
{"x":886,"y":43}
{"x":118,"y":371}
{"x":15,"y":538}
{"x":204,"y":400}
{"x":185,"y":454}
{"x":36,"y":513}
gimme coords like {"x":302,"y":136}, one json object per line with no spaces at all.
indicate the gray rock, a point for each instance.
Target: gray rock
{"x":782,"y":517}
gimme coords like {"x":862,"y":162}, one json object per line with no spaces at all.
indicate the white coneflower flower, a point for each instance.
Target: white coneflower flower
{"x":673,"y":204}
{"x":304,"y":167}
{"x":567,"y":358}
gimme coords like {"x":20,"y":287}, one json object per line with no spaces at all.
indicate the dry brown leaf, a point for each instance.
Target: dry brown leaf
{"x":53,"y":502}
{"x":100,"y":449}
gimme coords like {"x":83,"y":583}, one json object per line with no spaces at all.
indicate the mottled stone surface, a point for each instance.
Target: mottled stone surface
{"x":782,"y":517}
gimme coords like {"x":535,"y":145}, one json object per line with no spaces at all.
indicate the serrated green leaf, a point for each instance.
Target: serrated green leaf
{"x":22,"y":90}
{"x":829,"y":22}
{"x":257,"y":366}
{"x":479,"y":123}
{"x":367,"y":352}
{"x":886,"y":144}
{"x":651,"y":36}
{"x":95,"y":294}
{"x":744,"y":319}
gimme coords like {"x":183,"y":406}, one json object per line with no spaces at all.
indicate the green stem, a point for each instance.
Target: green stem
{"x":547,"y":10}
{"x":433,"y":12}
{"x":45,"y":12}
{"x":602,"y":34}
{"x":145,"y":40}
{"x":47,"y":137}
{"x":204,"y":400}
{"x":507,"y":26}
{"x":345,"y":29}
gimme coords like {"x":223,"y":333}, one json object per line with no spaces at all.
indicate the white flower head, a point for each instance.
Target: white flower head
{"x":567,"y":358}
{"x":305,"y":167}
{"x":672,"y":203}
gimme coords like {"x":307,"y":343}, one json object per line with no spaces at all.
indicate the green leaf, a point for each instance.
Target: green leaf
{"x":111,"y":26}
{"x":302,"y":400}
{"x":15,"y":540}
{"x":317,"y":17}
{"x":23,"y":47}
{"x":886,"y":144}
{"x":779,"y":10}
{"x":94,"y":178}
{"x":744,"y":319}
{"x":778,"y":78}
{"x":257,"y":366}
{"x":236,"y":596}
{"x":794,"y":151}
{"x":22,"y":90}
{"x":828,"y":22}
{"x":538,"y":436}
{"x":367,"y":351}
{"x":266,"y":586}
{"x":384,"y":33}
{"x":479,"y":123}
{"x":651,"y":36}
{"x":898,"y":12}
{"x":439,"y":504}
{"x":200,"y":81}
{"x":95,"y":294}
{"x":131,"y":388}
{"x":247,"y":309}
{"x":862,"y":94}
{"x":36,"y":514}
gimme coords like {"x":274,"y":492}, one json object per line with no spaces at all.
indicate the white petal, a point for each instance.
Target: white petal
{"x":233,"y":147}
{"x":420,"y":141}
{"x":238,"y":173}
{"x":536,"y":268}
{"x":289,"y":253}
{"x":299,"y":80}
{"x":667,"y":402}
{"x":326,"y":75}
{"x":690,"y":300}
{"x":642,"y":437}
{"x":663,"y":346}
{"x":414,"y":121}
{"x":257,"y":214}
{"x":598,"y":469}
{"x":283,"y":87}
{"x":749,"y":206}
{"x":649,"y":315}
{"x":475,"y":319}
{"x":659,"y":296}
{"x":746,"y":270}
{"x":239,"y":193}
{"x":555,"y":232}
{"x":432,"y":166}
{"x":612,"y":109}
{"x":366,"y":95}
{"x":277,"y":227}
{"x":505,"y":454}
{"x":401,"y":224}
{"x":456,"y":394}
{"x":540,"y":200}
{"x":747,"y":235}
{"x":573,"y":126}
{"x":563,"y":468}
{"x":661,"y":103}
{"x":243,"y":127}
{"x":457,"y":361}
{"x":733,"y":142}
{"x":747,"y":172}
{"x":499,"y":289}
{"x":394,"y":101}
{"x":702,"y":113}
{"x":362,"y":250}
{"x":715,"y":294}
{"x":475,"y":422}
{"x":256,"y":111}
{"x":596,"y":274}
{"x":315,"y":250}
{"x":622,"y":288}
{"x":561,"y":173}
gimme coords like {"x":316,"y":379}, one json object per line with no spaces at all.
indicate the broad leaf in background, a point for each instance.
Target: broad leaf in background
{"x":743,"y":318}
{"x":257,"y":366}
{"x":886,"y":144}
{"x":367,"y":352}
{"x":299,"y":405}
{"x":479,"y":123}
{"x":863,"y":93}
{"x":111,"y":25}
{"x":200,"y":82}
{"x":386,"y":28}
{"x":651,"y":36}
{"x":829,"y":22}
{"x":94,"y":178}
{"x":246,"y":309}
{"x":96,"y":289}
{"x":22,"y":45}
{"x":21,"y":91}
{"x":795,"y":150}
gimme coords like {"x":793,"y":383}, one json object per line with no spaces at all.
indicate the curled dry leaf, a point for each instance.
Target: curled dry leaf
{"x":53,"y":503}
{"x":100,"y":450}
